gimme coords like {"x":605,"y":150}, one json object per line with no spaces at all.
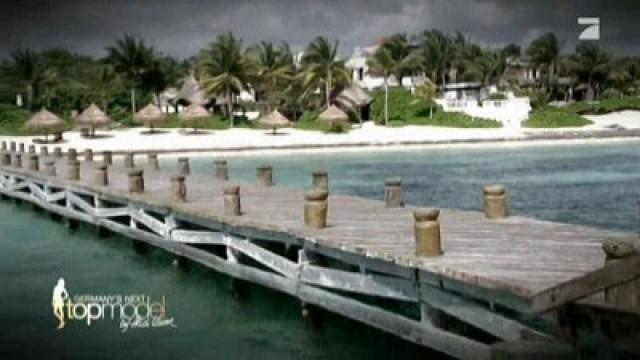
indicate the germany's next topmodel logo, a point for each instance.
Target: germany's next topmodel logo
{"x":132,"y":311}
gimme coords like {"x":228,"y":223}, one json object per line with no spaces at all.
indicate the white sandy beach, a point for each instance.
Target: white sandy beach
{"x":374,"y":136}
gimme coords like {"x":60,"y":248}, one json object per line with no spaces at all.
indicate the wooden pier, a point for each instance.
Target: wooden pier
{"x":502,"y":277}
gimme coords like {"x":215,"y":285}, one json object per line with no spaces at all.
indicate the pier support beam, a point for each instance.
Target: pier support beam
{"x":136,"y":181}
{"x":4,"y":146}
{"x":73,"y":170}
{"x":101,"y":175}
{"x":5,"y":159}
{"x":72,"y":154}
{"x":427,"y":232}
{"x":16,"y":161}
{"x":129,"y":160}
{"x":222,"y":170}
{"x":88,"y":155}
{"x":57,"y":152}
{"x":183,"y":166}
{"x":32,"y":149}
{"x":627,"y":295}
{"x":21,"y":148}
{"x":393,"y":192}
{"x":34,"y":163}
{"x":44,"y":151}
{"x":316,"y":207}
{"x":264,"y":175}
{"x":232,"y":201}
{"x":50,"y":168}
{"x":152,"y":161}
{"x":320,"y":180}
{"x":495,"y":202}
{"x":12,"y":146}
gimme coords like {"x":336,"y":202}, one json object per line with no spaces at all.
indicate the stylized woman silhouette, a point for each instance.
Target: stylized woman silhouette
{"x":60,"y":294}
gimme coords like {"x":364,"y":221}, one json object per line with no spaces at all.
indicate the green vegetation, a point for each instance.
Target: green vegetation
{"x":604,"y":106}
{"x":550,"y":117}
{"x":406,"y":109}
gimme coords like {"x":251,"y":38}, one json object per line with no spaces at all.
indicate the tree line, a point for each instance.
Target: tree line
{"x":133,"y":72}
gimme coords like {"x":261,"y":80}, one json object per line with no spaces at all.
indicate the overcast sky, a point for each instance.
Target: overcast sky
{"x":181,"y":27}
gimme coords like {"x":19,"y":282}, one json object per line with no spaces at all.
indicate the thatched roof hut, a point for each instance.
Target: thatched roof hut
{"x":149,"y":114}
{"x":194,"y":112}
{"x":274,"y":120}
{"x":45,"y":122}
{"x":93,"y":117}
{"x":333,"y":114}
{"x":354,"y":96}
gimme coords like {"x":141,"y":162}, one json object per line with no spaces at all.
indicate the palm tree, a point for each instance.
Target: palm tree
{"x":49,"y":80}
{"x":382,"y":64}
{"x":589,"y":61}
{"x":104,"y":84}
{"x":322,"y":66}
{"x":131,"y":57}
{"x":488,"y":67}
{"x":273,"y":66}
{"x":398,"y":46}
{"x":26,"y":70}
{"x":544,"y":53}
{"x":225,"y":69}
{"x":436,"y":55}
{"x":427,"y":91}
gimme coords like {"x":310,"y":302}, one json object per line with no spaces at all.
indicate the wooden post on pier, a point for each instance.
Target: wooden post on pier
{"x":627,"y":295}
{"x":178,"y":188}
{"x":50,"y":168}
{"x":102,"y":175}
{"x":129,"y":160}
{"x":73,"y":170}
{"x":12,"y":146}
{"x":320,"y":180}
{"x":152,"y":160}
{"x":222,"y":170}
{"x":72,"y":154}
{"x":6,"y":159}
{"x":4,"y":145}
{"x":44,"y":151}
{"x":183,"y":166}
{"x":16,"y":161}
{"x":495,"y":202}
{"x":136,"y":181}
{"x":264,"y":175}
{"x":88,"y":155}
{"x":34,"y":163}
{"x":232,"y":201}
{"x":57,"y":152}
{"x":21,"y":148}
{"x":316,"y":207}
{"x":427,"y":232}
{"x":32,"y":149}
{"x":107,"y":158}
{"x":393,"y":192}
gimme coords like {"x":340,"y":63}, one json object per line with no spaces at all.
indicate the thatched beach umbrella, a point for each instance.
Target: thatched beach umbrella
{"x":194,"y":113}
{"x":149,"y":115}
{"x":274,"y":121}
{"x":92,"y":117}
{"x":45,"y":123}
{"x":333,"y":115}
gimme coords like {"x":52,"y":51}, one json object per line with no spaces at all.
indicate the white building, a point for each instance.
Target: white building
{"x":360,"y":75}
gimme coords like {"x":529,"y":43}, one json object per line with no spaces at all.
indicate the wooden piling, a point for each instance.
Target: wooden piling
{"x":495,"y":202}
{"x":232,"y":201}
{"x":16,"y":161}
{"x":32,"y":149}
{"x":12,"y":146}
{"x":129,"y":160}
{"x":34,"y":163}
{"x":316,"y":207}
{"x":107,"y":158}
{"x":393,"y":192}
{"x":183,"y":166}
{"x":88,"y":155}
{"x":136,"y":181}
{"x":264,"y":175}
{"x":5,"y":159}
{"x":152,"y":160}
{"x":21,"y":148}
{"x":178,"y":188}
{"x":320,"y":180}
{"x":627,"y":295}
{"x":50,"y":168}
{"x":73,"y":170}
{"x":101,"y":175}
{"x":427,"y":232}
{"x":222,"y":170}
{"x":72,"y":154}
{"x":44,"y":151}
{"x":4,"y":146}
{"x":57,"y":152}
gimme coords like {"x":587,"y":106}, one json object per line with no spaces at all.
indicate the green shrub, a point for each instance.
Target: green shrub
{"x":13,"y":119}
{"x":611,"y":93}
{"x":604,"y":106}
{"x":450,"y":119}
{"x":402,"y":105}
{"x":555,"y":118}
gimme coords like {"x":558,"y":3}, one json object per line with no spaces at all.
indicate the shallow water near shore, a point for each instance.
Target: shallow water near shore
{"x":595,"y":185}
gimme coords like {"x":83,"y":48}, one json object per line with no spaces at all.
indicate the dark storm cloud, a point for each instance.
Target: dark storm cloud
{"x":182,"y":27}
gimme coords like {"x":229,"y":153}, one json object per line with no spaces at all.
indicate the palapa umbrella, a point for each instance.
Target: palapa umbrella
{"x":193,"y":113}
{"x":333,"y":115}
{"x":274,"y":120}
{"x":92,"y":117}
{"x":149,"y":115}
{"x":45,"y":122}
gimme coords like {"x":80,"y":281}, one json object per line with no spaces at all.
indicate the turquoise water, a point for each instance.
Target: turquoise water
{"x":593,"y":185}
